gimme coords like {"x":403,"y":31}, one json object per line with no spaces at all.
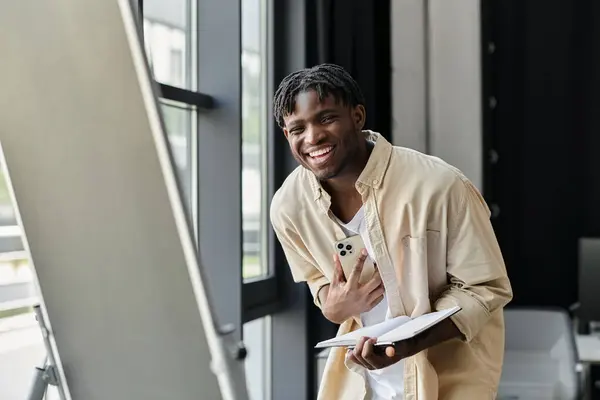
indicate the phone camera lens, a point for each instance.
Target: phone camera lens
{"x":343,"y":253}
{"x":340,"y":246}
{"x":349,"y":247}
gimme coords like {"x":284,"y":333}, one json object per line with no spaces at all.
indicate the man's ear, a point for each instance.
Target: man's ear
{"x":359,"y":115}
{"x":286,"y":133}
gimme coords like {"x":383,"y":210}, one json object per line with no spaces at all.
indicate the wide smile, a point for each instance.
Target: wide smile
{"x":321,"y":156}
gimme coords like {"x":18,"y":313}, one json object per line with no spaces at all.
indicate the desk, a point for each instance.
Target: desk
{"x":588,"y":347}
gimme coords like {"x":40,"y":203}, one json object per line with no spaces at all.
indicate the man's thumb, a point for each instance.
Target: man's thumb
{"x":390,"y":351}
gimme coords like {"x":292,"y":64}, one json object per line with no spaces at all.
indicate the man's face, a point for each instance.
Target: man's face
{"x":324,"y":136}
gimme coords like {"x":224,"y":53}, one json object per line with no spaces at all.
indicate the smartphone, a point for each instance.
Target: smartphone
{"x":348,"y":250}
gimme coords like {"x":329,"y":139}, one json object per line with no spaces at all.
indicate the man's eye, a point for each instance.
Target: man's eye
{"x":296,"y":131}
{"x":327,"y":119}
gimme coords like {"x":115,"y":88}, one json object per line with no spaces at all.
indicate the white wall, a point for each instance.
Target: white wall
{"x":409,"y":86}
{"x":436,"y":80}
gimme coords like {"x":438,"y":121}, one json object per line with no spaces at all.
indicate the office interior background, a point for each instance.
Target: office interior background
{"x":507,"y":91}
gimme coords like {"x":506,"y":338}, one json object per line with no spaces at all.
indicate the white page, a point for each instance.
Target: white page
{"x":372,"y":331}
{"x":416,"y":326}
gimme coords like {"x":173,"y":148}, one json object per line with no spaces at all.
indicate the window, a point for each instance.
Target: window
{"x":21,"y":343}
{"x":168,"y":41}
{"x":177,"y":70}
{"x":7,"y":214}
{"x":259,"y":288}
{"x":192,"y":134}
{"x":179,"y":122}
{"x":254,"y":134}
{"x":260,"y":293}
{"x":257,"y":339}
{"x":10,"y":233}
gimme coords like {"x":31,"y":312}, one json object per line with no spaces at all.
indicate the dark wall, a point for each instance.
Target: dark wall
{"x":543,"y":71}
{"x":588,"y":106}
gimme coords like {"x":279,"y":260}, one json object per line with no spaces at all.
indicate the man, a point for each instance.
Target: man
{"x":423,"y":223}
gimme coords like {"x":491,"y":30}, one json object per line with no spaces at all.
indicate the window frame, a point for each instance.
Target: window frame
{"x":262,"y":295}
{"x":259,"y":296}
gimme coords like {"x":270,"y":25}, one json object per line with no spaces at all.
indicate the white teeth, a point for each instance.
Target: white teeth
{"x":320,"y":152}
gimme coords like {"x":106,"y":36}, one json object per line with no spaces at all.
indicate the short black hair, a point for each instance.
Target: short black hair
{"x":325,"y":79}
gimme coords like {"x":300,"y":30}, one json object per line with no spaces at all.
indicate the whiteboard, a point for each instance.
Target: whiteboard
{"x":97,"y":198}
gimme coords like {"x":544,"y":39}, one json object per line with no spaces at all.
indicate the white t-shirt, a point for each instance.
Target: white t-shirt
{"x":386,"y":383}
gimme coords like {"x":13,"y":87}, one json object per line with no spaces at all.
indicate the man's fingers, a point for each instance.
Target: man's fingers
{"x":368,"y":354}
{"x":355,"y":275}
{"x":338,"y":271}
{"x":358,"y":351}
{"x":359,"y":346}
{"x":373,"y":293}
{"x":374,"y":301}
{"x":374,"y":283}
{"x":353,"y":358}
{"x":390,"y":351}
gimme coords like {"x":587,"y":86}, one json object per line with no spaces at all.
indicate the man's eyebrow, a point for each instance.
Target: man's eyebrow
{"x":327,"y":111}
{"x":295,"y":122}
{"x":317,"y":115}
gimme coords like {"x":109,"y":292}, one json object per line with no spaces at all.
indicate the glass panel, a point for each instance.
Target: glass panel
{"x":167,"y":37}
{"x":179,"y":125}
{"x":21,"y":343}
{"x":7,"y":214}
{"x":257,"y":339}
{"x":254,"y":132}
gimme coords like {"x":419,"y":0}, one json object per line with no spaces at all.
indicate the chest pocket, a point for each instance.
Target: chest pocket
{"x":423,"y":272}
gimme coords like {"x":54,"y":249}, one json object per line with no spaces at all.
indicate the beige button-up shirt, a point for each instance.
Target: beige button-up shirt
{"x":435,"y":247}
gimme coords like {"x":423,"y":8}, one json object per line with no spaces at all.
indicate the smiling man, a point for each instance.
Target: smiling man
{"x":422,"y":222}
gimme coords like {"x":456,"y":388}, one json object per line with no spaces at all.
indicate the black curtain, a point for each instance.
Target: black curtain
{"x":355,"y":34}
{"x":588,"y":112}
{"x":541,"y":66}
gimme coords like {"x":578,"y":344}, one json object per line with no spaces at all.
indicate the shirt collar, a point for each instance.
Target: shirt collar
{"x":373,"y":173}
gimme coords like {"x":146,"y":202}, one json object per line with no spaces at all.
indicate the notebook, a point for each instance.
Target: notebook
{"x":392,"y":330}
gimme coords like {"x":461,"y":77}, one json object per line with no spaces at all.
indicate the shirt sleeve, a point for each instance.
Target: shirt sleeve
{"x":298,"y":256}
{"x":477,"y":274}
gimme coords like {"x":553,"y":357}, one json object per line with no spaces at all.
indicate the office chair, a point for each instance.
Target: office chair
{"x":540,"y":359}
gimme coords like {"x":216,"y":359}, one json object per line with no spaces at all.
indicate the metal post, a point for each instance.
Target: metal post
{"x":45,"y":375}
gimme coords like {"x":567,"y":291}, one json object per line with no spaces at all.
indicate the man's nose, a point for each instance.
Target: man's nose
{"x":314,"y":135}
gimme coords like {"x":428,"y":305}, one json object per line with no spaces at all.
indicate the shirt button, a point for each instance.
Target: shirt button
{"x":375,"y":181}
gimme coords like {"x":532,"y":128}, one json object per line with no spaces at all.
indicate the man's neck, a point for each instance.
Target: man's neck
{"x":342,"y":185}
{"x":345,"y":199}
{"x":345,"y":184}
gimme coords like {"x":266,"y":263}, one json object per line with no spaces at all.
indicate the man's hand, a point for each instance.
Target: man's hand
{"x":347,"y":297}
{"x":375,"y":357}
